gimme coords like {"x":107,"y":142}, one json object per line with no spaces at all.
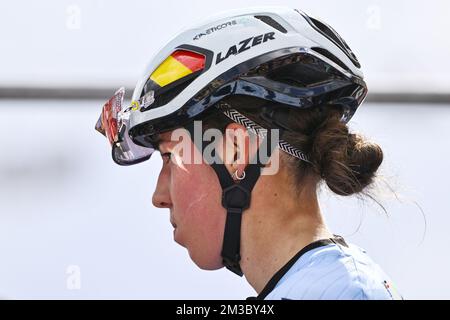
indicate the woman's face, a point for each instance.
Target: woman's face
{"x":192,"y":193}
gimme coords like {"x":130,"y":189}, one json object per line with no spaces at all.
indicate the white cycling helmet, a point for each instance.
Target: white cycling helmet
{"x":276,"y":54}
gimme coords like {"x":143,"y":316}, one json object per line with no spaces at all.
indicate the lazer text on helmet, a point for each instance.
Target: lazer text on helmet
{"x":245,"y":45}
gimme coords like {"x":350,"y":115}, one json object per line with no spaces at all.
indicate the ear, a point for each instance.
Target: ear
{"x":237,"y":148}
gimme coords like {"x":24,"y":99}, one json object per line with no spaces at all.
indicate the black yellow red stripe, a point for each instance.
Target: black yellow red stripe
{"x":178,"y":65}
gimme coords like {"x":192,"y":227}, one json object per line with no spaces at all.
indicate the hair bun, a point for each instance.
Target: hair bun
{"x":346,"y":161}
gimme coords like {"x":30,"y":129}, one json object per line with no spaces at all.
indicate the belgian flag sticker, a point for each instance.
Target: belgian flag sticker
{"x":178,"y":65}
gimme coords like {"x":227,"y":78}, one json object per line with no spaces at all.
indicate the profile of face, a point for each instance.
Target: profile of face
{"x":192,"y":193}
{"x":190,"y":189}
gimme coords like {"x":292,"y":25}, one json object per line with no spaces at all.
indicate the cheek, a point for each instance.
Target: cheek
{"x":196,"y":195}
{"x":196,"y":198}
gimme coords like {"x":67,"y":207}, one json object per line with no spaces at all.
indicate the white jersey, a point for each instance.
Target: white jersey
{"x":330,"y":269}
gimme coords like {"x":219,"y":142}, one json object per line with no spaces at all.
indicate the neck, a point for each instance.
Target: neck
{"x":278,"y":224}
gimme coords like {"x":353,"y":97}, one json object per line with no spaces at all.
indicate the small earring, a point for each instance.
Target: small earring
{"x":235,"y":175}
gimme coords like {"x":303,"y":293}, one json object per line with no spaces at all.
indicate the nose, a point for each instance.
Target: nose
{"x":159,"y":202}
{"x":161,"y":196}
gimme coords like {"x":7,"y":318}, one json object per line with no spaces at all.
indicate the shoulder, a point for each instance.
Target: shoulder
{"x":334,"y":272}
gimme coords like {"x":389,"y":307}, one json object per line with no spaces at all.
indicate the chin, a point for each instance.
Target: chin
{"x":205,"y":262}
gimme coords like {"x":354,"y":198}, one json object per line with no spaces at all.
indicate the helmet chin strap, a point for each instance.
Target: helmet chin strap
{"x":236,"y":198}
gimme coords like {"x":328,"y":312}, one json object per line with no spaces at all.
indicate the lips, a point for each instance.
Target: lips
{"x":174,"y":225}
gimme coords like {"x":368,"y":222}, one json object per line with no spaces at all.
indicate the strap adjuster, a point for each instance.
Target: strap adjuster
{"x":235,"y":198}
{"x":235,"y":210}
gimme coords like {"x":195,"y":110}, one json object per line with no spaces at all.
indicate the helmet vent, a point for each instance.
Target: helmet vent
{"x":301,"y":74}
{"x":330,"y":56}
{"x":331,"y":34}
{"x":271,"y":22}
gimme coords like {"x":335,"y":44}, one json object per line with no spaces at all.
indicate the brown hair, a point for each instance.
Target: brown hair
{"x":346,"y":161}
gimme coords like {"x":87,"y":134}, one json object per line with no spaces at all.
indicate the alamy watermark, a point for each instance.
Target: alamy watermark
{"x":250,"y":146}
{"x":73,"y":280}
{"x":373,"y":21}
{"x":73,"y":17}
